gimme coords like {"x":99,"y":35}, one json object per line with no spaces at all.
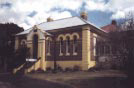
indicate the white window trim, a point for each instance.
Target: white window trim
{"x":67,"y":54}
{"x":94,"y":46}
{"x":48,"y":54}
{"x":49,"y":50}
{"x":61,"y":54}
{"x":75,"y":53}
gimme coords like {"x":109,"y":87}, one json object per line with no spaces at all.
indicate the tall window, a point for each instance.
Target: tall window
{"x":94,"y":46}
{"x":48,"y":46}
{"x":102,"y":48}
{"x":61,"y":46}
{"x":67,"y":45}
{"x":107,"y":49}
{"x":74,"y":45}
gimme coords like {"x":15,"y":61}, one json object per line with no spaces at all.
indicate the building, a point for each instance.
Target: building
{"x":65,"y":42}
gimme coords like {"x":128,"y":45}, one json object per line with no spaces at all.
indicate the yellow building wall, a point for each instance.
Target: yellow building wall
{"x":40,"y":64}
{"x":86,"y":46}
{"x":85,"y":64}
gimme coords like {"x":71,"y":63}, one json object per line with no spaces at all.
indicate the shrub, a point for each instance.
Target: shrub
{"x":33,"y":71}
{"x":59,"y":68}
{"x":76,"y":68}
{"x":68,"y":69}
{"x":48,"y":69}
{"x":40,"y":70}
{"x":94,"y":69}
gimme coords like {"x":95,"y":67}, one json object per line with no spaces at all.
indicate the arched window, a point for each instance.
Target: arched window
{"x":75,"y":45}
{"x":23,"y":42}
{"x":67,"y":45}
{"x":61,"y":46}
{"x":35,"y":46}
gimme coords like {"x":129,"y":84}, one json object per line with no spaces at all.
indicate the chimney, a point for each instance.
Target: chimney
{"x":114,"y":22}
{"x":83,"y":15}
{"x":49,"y":19}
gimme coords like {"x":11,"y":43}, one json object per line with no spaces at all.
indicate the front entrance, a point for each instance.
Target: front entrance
{"x":35,"y":46}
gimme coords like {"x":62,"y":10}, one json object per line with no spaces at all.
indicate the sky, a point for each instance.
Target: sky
{"x":27,"y":13}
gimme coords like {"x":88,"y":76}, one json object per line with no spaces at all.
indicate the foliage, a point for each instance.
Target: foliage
{"x":68,"y":69}
{"x":7,"y":44}
{"x":59,"y":68}
{"x":48,"y":69}
{"x":95,"y":68}
{"x":76,"y":68}
{"x":123,"y":41}
{"x":40,"y":70}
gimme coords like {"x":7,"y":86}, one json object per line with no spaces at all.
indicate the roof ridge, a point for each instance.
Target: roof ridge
{"x":82,"y":19}
{"x":51,"y":21}
{"x":56,"y":20}
{"x":88,"y":22}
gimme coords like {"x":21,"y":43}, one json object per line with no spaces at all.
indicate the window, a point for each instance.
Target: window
{"x":94,"y":46}
{"x":48,"y":47}
{"x":23,"y":43}
{"x":61,"y":46}
{"x":35,"y":30}
{"x":67,"y":45}
{"x":74,"y":45}
{"x":102,"y":50}
{"x":107,"y":49}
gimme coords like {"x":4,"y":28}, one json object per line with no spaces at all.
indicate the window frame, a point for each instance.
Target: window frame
{"x":68,"y":45}
{"x":61,"y":45}
{"x":75,"y":44}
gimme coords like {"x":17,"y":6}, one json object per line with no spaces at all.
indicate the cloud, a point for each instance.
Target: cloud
{"x":118,"y":15}
{"x":118,"y":7}
{"x":60,"y":15}
{"x":27,"y":13}
{"x":95,"y":5}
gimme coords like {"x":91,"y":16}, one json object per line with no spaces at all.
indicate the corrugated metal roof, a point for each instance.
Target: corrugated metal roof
{"x":58,"y":24}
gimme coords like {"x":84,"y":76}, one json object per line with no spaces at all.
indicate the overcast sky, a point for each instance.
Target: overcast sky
{"x":27,"y":13}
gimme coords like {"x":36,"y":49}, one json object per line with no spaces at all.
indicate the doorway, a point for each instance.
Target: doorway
{"x":35,"y":46}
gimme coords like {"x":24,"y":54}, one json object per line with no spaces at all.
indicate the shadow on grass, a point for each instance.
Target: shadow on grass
{"x":26,"y":82}
{"x":99,"y":82}
{"x":20,"y":81}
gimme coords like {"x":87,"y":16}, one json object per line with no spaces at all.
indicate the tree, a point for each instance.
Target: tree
{"x":123,"y":41}
{"x":7,"y":43}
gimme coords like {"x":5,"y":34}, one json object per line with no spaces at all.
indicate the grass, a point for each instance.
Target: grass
{"x":98,"y":82}
{"x":102,"y":79}
{"x":14,"y":81}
